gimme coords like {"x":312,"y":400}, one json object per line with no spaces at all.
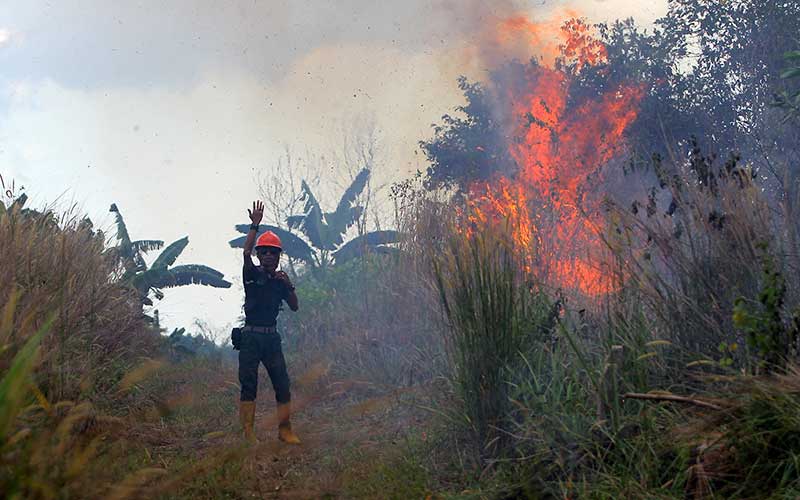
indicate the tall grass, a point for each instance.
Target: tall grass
{"x":374,"y":320}
{"x":752,"y":446}
{"x":68,"y":335}
{"x":530,"y":383}
{"x":365,"y":321}
{"x":57,"y":264}
{"x":494,"y":315}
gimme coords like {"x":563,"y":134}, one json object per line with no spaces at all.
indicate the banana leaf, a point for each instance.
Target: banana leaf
{"x":192,"y":274}
{"x":144,"y":246}
{"x":346,"y":214}
{"x":311,"y":223}
{"x":372,"y":242}
{"x":170,"y":254}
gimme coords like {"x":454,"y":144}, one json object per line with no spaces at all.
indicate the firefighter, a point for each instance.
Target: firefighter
{"x":265,"y":289}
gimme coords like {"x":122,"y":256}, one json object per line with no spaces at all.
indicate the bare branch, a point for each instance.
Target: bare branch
{"x":673,"y":398}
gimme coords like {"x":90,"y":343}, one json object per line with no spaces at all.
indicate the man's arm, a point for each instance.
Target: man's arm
{"x":292,"y":300}
{"x":255,"y":219}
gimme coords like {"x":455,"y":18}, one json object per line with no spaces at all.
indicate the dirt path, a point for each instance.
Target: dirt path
{"x":188,"y":432}
{"x":344,"y":437}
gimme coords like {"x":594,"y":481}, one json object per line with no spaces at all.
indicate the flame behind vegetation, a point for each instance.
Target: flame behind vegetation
{"x":560,"y":146}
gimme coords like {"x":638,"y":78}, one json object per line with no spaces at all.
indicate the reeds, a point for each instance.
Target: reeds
{"x":528,"y":381}
{"x":495,"y":314}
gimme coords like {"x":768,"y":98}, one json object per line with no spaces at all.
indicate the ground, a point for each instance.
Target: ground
{"x":352,"y":432}
{"x":343,"y":438}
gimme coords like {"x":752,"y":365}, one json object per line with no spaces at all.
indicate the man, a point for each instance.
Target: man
{"x":265,"y":288}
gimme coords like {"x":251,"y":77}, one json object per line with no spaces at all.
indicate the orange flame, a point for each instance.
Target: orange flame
{"x":560,"y":148}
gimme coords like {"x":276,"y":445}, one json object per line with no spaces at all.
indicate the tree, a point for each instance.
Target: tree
{"x":734,"y":54}
{"x":469,"y":148}
{"x":325,"y":231}
{"x":160,"y":274}
{"x":709,"y":70}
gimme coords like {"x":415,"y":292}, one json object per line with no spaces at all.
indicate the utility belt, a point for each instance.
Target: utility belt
{"x":236,"y":334}
{"x":260,"y":329}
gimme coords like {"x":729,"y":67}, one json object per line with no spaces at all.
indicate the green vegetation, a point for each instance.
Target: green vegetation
{"x":495,"y":316}
{"x":789,"y":100}
{"x":162,"y":273}
{"x":325,"y":231}
{"x":433,"y":360}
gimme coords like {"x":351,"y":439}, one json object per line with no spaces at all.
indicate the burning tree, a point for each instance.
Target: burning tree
{"x":534,"y":152}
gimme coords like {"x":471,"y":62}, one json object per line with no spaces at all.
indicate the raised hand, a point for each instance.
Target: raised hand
{"x":257,"y":213}
{"x":282,"y":276}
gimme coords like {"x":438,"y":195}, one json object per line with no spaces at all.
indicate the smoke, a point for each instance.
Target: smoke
{"x":5,"y":37}
{"x":171,"y":109}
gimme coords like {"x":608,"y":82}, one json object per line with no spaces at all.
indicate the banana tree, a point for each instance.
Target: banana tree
{"x":161,"y":274}
{"x":324,"y":232}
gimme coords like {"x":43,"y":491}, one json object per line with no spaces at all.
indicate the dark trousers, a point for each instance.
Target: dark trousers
{"x":263,"y":348}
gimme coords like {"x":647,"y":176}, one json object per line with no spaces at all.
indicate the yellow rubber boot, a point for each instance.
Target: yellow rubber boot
{"x":285,"y":432}
{"x":247,"y":416}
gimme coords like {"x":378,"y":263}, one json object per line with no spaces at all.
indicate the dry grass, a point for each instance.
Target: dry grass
{"x":683,"y":271}
{"x":69,"y":333}
{"x":53,"y":264}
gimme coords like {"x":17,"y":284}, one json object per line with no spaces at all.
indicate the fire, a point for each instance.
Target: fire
{"x":560,"y":147}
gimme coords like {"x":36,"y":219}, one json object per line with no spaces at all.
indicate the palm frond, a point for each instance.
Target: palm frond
{"x":170,"y":254}
{"x":238,"y":242}
{"x":293,"y":245}
{"x":144,"y":246}
{"x":200,"y":268}
{"x":191,"y":275}
{"x":346,"y":214}
{"x":146,"y":280}
{"x":339,"y":222}
{"x":312,"y":223}
{"x":122,"y":233}
{"x":367,"y":242}
{"x":352,"y":192}
{"x":295,"y":221}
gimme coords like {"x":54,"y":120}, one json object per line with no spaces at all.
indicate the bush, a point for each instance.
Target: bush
{"x":687,"y":260}
{"x":370,"y":319}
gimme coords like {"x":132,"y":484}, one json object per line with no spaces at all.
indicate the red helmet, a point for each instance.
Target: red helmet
{"x":269,"y":239}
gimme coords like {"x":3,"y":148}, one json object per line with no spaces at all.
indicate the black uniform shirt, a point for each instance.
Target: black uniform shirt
{"x":262,"y":296}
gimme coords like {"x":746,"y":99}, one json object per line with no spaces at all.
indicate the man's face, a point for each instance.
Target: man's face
{"x":268,"y":257}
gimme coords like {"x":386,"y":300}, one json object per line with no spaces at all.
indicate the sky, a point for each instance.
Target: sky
{"x":174,"y":109}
